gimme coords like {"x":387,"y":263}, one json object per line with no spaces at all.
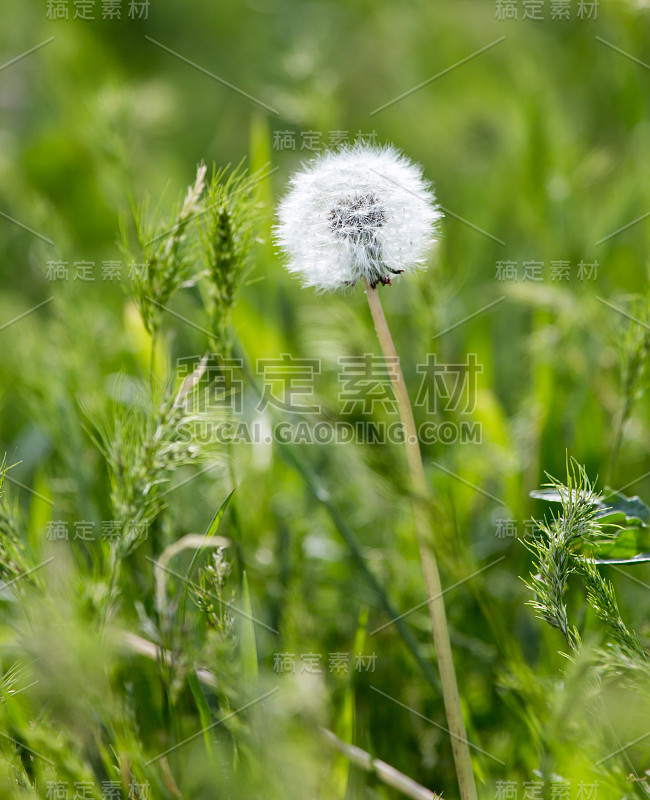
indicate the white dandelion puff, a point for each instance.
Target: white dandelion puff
{"x":368,"y":213}
{"x":362,"y":212}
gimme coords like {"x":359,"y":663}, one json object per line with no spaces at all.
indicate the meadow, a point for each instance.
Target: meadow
{"x":211,"y":584}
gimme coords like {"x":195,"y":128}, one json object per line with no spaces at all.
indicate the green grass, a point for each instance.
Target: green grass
{"x":541,"y":144}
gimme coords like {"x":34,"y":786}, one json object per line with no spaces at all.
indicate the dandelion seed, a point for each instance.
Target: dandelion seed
{"x":360,"y":212}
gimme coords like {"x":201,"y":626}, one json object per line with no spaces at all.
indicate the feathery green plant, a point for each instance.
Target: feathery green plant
{"x":564,"y":547}
{"x":13,"y":561}
{"x":210,"y":593}
{"x":145,"y":444}
{"x":166,"y":254}
{"x":555,"y":549}
{"x":602,"y":598}
{"x":227,"y":234}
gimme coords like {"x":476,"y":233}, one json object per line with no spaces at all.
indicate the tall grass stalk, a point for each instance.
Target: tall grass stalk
{"x":421,"y":513}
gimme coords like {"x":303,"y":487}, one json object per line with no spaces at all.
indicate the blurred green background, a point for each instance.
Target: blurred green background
{"x":539,"y":150}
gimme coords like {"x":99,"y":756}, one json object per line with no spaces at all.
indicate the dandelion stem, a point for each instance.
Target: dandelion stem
{"x":437,"y":613}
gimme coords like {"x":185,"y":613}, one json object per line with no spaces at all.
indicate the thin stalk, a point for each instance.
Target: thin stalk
{"x":380,"y":769}
{"x":233,"y":505}
{"x":436,"y":603}
{"x":618,"y":437}
{"x":152,"y":359}
{"x":111,"y":593}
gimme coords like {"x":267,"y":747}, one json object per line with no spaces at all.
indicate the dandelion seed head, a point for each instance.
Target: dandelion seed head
{"x":360,"y":212}
{"x":357,"y":218}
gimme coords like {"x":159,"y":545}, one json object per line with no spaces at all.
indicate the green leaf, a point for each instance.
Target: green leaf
{"x":346,"y":720}
{"x":204,"y":715}
{"x":614,"y":508}
{"x":635,"y":510}
{"x":638,"y":559}
{"x":40,"y":513}
{"x":626,"y":545}
{"x":248,"y":648}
